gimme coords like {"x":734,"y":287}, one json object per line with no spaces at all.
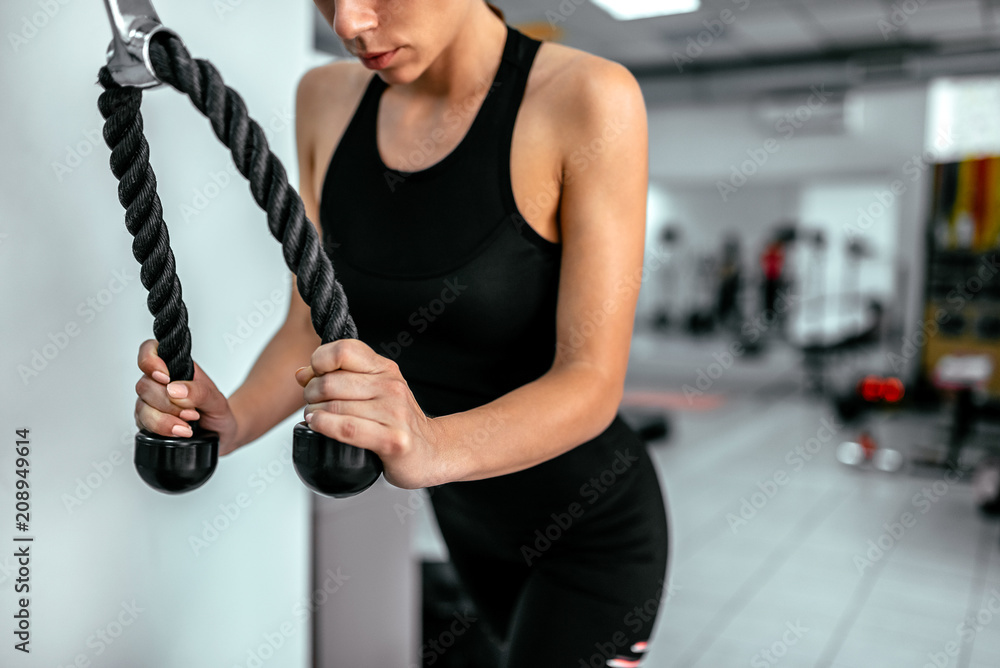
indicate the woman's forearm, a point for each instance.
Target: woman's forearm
{"x":270,"y":392}
{"x":532,"y":424}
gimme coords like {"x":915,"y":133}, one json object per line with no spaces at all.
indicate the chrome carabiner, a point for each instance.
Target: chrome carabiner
{"x":133,"y":23}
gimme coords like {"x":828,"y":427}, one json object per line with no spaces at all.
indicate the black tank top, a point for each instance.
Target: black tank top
{"x":441,"y":271}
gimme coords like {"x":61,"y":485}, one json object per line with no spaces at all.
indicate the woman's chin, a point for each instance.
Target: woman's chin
{"x":400,"y":76}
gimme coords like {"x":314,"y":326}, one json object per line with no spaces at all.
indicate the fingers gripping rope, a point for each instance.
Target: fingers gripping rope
{"x":224,"y":107}
{"x":143,"y":54}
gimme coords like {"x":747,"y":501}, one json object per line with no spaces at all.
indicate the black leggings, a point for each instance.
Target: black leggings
{"x":566,"y":561}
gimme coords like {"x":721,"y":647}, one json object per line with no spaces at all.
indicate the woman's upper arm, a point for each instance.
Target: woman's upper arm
{"x":318,"y":99}
{"x":603,"y":221}
{"x":305,"y":144}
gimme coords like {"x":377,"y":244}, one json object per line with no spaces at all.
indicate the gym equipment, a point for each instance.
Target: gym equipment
{"x":664,"y":309}
{"x":870,"y":392}
{"x":444,"y":598}
{"x":965,"y":376}
{"x":144,"y":54}
{"x":986,"y":485}
{"x":843,"y":327}
{"x":963,"y":236}
{"x":651,"y":425}
{"x":866,"y":450}
{"x":701,"y":316}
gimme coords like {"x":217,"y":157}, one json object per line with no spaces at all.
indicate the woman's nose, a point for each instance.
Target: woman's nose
{"x":354,"y":17}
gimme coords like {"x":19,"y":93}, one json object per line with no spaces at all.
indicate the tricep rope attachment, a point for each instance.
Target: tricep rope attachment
{"x":144,"y":54}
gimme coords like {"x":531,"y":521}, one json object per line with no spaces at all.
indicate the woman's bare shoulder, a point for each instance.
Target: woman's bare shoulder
{"x":331,"y":88}
{"x":325,"y":100}
{"x":568,"y":76}
{"x":579,"y":90}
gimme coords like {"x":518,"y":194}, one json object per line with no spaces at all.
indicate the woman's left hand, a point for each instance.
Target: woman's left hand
{"x":359,"y":397}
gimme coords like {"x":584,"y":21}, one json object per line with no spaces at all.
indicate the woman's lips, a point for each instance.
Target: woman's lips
{"x":376,"y":61}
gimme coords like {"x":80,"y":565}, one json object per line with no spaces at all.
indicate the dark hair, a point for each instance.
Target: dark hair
{"x":496,"y":10}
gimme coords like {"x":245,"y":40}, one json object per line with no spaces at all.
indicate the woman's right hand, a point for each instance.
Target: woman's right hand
{"x":166,"y":407}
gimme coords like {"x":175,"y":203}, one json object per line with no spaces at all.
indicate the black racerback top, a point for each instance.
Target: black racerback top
{"x":441,"y":271}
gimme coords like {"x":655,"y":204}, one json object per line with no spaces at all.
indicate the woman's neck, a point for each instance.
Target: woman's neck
{"x":466,"y":64}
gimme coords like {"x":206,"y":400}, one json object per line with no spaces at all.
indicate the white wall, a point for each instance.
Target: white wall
{"x":836,"y":288}
{"x":62,"y":238}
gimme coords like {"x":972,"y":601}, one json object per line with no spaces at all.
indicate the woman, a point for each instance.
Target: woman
{"x":482,"y":198}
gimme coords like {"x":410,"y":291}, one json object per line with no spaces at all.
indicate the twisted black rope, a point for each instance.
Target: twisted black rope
{"x":119,"y":105}
{"x":144,"y":220}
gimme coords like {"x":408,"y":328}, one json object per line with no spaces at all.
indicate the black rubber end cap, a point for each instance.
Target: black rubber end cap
{"x":174,"y":465}
{"x":330,"y":467}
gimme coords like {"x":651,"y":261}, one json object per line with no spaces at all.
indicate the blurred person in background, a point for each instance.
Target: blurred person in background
{"x":727,"y":310}
{"x":772,"y":264}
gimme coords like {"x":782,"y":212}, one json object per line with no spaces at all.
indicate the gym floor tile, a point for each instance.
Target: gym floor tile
{"x":918,"y":623}
{"x":869,"y":646}
{"x":805,"y":632}
{"x":934,"y":600}
{"x":723,"y":651}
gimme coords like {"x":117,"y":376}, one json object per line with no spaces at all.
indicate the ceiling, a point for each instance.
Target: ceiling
{"x":764,"y":30}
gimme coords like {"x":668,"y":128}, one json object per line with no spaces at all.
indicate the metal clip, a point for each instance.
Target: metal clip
{"x":133,"y":23}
